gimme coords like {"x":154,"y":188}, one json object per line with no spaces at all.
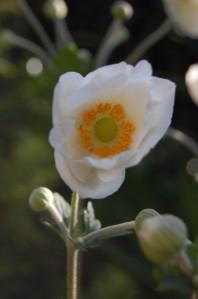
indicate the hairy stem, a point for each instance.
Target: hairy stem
{"x":108,"y":232}
{"x":73,"y":265}
{"x":149,"y":41}
{"x":73,"y":254}
{"x":74,"y":220}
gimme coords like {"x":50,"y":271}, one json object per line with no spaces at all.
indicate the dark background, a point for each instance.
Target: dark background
{"x":32,"y":258}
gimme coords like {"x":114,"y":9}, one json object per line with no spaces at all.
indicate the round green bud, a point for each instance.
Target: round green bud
{"x":55,"y":9}
{"x":162,"y":237}
{"x":40,"y":198}
{"x":143,"y":215}
{"x":122,"y":10}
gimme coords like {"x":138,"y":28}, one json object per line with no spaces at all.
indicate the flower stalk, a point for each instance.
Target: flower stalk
{"x":115,"y":35}
{"x":63,"y":36}
{"x":73,"y":269}
{"x":73,"y":253}
{"x":107,"y":232}
{"x":184,"y":139}
{"x":38,"y":28}
{"x":149,"y":41}
{"x":30,"y":46}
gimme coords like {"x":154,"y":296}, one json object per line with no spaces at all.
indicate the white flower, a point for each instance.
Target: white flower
{"x":184,"y":14}
{"x":191,"y":79}
{"x":106,"y":122}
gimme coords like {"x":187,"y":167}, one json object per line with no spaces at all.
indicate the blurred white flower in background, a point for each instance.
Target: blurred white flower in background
{"x":106,"y":122}
{"x":184,"y":15}
{"x":191,"y":79}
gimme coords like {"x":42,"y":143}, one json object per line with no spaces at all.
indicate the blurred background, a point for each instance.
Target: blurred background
{"x":32,"y":258}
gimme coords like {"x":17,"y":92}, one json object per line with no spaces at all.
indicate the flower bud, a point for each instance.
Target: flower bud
{"x":122,"y":10}
{"x":40,"y":198}
{"x":162,"y":237}
{"x":142,"y":216}
{"x":55,"y":9}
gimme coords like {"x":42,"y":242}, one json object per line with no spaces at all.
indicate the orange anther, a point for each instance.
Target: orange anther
{"x":123,"y":139}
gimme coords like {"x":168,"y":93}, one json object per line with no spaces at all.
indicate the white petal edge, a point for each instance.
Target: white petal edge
{"x":158,"y":117}
{"x":67,"y":84}
{"x":93,"y":187}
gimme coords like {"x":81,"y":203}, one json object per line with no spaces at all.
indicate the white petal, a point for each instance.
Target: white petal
{"x":110,"y":175}
{"x":66,"y":85}
{"x":100,"y":85}
{"x":158,"y":117}
{"x":109,"y":71}
{"x":91,"y":186}
{"x":143,"y":69}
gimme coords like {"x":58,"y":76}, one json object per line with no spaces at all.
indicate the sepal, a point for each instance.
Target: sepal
{"x":63,"y":207}
{"x":91,"y":223}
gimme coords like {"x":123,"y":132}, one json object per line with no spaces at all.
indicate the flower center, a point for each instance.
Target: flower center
{"x":106,"y":129}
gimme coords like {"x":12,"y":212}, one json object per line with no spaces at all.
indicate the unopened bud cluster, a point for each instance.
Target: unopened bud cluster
{"x":161,"y":237}
{"x":43,"y":200}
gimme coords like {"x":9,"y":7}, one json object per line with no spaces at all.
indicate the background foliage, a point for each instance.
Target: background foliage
{"x":32,"y":259}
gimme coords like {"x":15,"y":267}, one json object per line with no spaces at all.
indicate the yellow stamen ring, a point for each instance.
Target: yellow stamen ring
{"x":105,"y":130}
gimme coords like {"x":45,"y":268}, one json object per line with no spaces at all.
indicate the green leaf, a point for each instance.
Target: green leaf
{"x":71,"y":58}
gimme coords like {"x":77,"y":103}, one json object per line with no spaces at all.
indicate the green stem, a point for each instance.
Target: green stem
{"x":73,"y":268}
{"x":149,"y":41}
{"x":73,"y":254}
{"x":74,"y":220}
{"x":107,"y":232}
